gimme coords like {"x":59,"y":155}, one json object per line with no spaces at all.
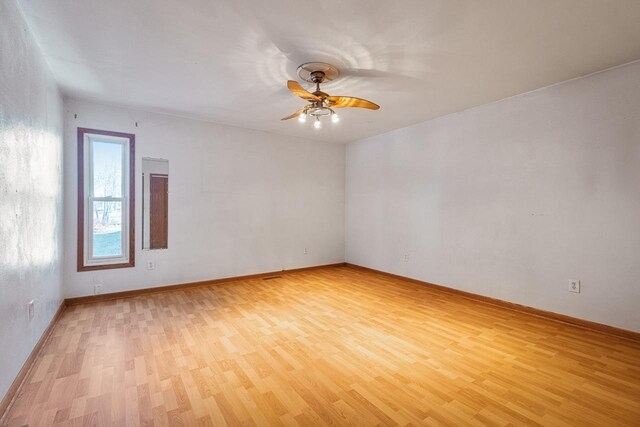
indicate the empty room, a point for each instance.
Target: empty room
{"x":296,"y":213}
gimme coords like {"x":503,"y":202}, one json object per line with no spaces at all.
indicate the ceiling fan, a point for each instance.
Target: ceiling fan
{"x":321,"y":103}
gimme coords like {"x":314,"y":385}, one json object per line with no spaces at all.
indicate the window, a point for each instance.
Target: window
{"x":106,"y":194}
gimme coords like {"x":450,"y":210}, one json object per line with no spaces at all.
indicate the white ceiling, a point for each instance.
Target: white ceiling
{"x":228,"y":61}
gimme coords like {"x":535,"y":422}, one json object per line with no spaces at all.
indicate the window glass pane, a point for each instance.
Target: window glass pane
{"x":107,"y":229}
{"x":107,"y":169}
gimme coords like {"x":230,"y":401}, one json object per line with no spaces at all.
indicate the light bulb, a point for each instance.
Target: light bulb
{"x":335,"y":118}
{"x":317,"y":124}
{"x":302,"y":118}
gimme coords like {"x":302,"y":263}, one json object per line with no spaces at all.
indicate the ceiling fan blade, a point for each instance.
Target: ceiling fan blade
{"x":296,"y":114}
{"x":348,"y":101}
{"x":295,"y":87}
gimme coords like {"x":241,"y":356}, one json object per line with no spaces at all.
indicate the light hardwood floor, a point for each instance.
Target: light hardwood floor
{"x":334,"y":346}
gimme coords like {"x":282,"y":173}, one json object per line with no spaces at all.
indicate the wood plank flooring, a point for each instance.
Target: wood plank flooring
{"x":335,"y":346}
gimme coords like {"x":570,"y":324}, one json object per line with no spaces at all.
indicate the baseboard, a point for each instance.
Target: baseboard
{"x":587,"y":324}
{"x":12,"y":393}
{"x":128,"y":294}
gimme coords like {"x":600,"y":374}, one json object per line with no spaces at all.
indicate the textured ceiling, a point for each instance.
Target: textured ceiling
{"x":228,"y":61}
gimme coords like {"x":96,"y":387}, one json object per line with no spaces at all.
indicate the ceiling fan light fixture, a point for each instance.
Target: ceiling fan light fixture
{"x":319,"y":111}
{"x":321,"y":103}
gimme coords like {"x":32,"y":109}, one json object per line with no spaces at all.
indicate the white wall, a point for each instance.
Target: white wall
{"x":30,"y":193}
{"x":240,"y":201}
{"x":512,"y":199}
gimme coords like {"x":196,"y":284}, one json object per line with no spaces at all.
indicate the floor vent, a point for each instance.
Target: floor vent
{"x":271,"y":277}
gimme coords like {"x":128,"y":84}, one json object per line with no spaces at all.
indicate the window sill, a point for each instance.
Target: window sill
{"x":105,"y":266}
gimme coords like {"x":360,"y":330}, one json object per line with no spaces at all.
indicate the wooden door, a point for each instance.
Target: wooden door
{"x":158,"y":211}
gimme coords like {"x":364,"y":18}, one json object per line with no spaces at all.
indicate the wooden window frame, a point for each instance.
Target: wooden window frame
{"x":82,"y":200}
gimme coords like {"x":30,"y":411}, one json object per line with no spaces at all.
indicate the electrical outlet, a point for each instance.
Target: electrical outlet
{"x":97,"y":289}
{"x":406,"y":257}
{"x":31,"y":312}
{"x":306,"y":251}
{"x":151,"y":265}
{"x":574,"y":286}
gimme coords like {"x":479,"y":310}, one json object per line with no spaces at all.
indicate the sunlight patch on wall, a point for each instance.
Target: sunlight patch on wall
{"x":31,"y":190}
